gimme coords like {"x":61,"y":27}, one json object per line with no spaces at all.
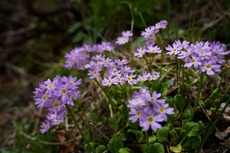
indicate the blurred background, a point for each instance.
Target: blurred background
{"x":36,"y":34}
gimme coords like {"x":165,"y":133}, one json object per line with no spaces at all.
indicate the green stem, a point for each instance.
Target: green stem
{"x":110,"y":100}
{"x":147,"y":63}
{"x":147,"y":141}
{"x":142,"y":19}
{"x":132,"y":16}
{"x":226,"y":91}
{"x":177,"y":70}
{"x":214,"y":124}
{"x":198,"y":96}
{"x":78,"y":128}
{"x":182,"y":79}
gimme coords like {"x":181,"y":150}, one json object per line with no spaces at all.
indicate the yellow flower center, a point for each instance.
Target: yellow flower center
{"x":193,"y":60}
{"x":152,"y":39}
{"x":57,"y":121}
{"x":174,"y":50}
{"x":162,"y":110}
{"x":63,"y":91}
{"x":56,"y":104}
{"x":202,"y":52}
{"x":50,"y":86}
{"x":44,"y":98}
{"x":152,"y":99}
{"x":208,"y":66}
{"x":150,"y":119}
{"x":139,"y":113}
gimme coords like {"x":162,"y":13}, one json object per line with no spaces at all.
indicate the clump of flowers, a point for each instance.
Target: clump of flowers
{"x":148,"y":109}
{"x":55,"y":95}
{"x":205,"y":56}
{"x":125,"y":36}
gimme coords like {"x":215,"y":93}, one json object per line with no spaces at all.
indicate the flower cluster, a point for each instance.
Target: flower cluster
{"x":206,"y":56}
{"x":54,"y":95}
{"x":114,"y":71}
{"x":150,"y":37}
{"x":125,"y":36}
{"x":150,"y":32}
{"x":80,"y":56}
{"x":148,"y":109}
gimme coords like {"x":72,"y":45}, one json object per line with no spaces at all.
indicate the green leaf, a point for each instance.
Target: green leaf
{"x":193,"y":142}
{"x":157,"y":148}
{"x":73,"y":28}
{"x":174,"y":135}
{"x":115,"y":144}
{"x":144,"y":148}
{"x":176,"y":149}
{"x":78,"y":37}
{"x":163,"y":134}
{"x":94,"y":116}
{"x":207,"y":103}
{"x":190,"y":128}
{"x":152,"y":138}
{"x":188,"y":111}
{"x":113,"y":123}
{"x":100,"y":149}
{"x":114,"y":101}
{"x":138,"y":134}
{"x":215,"y":94}
{"x":185,"y":88}
{"x":180,"y":102}
{"x":124,"y":150}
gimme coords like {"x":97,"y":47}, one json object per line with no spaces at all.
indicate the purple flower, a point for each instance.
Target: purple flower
{"x":174,"y":49}
{"x":151,"y":40}
{"x":108,"y":81}
{"x":45,"y":126}
{"x":210,"y":68}
{"x":140,"y":52}
{"x":120,"y":62}
{"x":107,"y":46}
{"x":148,"y":109}
{"x":161,"y":25}
{"x":127,"y":33}
{"x":148,"y":32}
{"x":151,"y":121}
{"x":137,"y":102}
{"x":124,"y":38}
{"x":64,"y":91}
{"x":154,"y":75}
{"x":145,"y":76}
{"x":164,"y":110}
{"x":193,"y":61}
{"x":130,"y":78}
{"x":94,"y":73}
{"x":119,"y":79}
{"x":135,"y":114}
{"x":153,"y":49}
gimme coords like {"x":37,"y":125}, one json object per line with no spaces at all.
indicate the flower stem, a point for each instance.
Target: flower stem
{"x":198,"y":96}
{"x":147,"y":141}
{"x":78,"y":128}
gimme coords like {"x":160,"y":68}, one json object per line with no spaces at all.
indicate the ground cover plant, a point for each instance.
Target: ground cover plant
{"x":158,"y":86}
{"x":149,"y":95}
